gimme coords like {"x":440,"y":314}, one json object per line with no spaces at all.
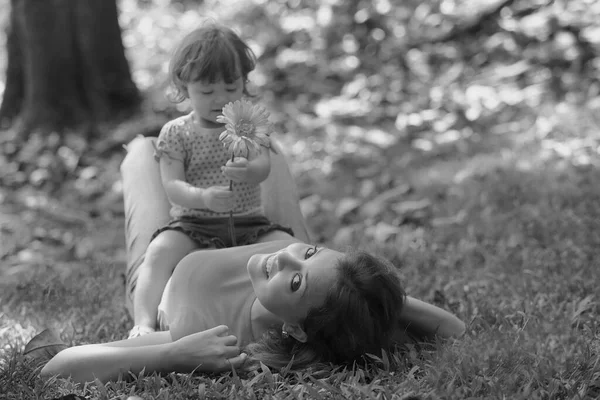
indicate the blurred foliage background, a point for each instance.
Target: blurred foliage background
{"x":363,"y":93}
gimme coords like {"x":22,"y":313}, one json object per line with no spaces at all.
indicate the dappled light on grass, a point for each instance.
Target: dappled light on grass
{"x":71,"y":300}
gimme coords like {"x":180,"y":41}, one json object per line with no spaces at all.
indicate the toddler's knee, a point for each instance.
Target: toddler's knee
{"x":163,"y":253}
{"x":159,"y":249}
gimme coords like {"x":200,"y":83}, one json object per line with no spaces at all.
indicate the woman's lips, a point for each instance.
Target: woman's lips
{"x":268,"y":267}
{"x":265,"y":266}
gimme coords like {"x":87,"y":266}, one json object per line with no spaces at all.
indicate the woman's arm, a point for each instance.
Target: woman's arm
{"x":428,"y":320}
{"x":107,"y":362}
{"x":213,"y":350}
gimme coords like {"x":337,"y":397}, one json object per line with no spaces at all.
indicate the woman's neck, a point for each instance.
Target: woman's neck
{"x":262,"y":319}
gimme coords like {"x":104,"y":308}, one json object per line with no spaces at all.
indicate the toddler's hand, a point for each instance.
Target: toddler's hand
{"x":218,"y":198}
{"x":237,"y":170}
{"x":139,"y":330}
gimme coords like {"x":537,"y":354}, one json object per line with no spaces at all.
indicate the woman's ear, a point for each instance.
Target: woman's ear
{"x":295,"y":330}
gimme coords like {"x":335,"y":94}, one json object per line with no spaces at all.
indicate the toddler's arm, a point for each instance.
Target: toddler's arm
{"x":178,"y":190}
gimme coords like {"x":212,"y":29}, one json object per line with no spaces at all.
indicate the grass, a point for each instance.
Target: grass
{"x":519,"y":268}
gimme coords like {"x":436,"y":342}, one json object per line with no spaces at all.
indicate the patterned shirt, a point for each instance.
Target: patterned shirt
{"x":203,"y":155}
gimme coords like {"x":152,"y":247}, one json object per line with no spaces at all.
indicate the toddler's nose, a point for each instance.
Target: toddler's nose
{"x":221,"y":99}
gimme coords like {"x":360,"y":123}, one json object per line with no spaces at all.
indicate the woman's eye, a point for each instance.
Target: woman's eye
{"x":296,"y":281}
{"x":206,"y":93}
{"x":310,"y":252}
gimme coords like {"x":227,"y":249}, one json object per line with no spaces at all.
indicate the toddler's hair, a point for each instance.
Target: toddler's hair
{"x":210,"y":53}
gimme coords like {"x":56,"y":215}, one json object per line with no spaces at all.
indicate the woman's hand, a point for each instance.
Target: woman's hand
{"x":213,"y":350}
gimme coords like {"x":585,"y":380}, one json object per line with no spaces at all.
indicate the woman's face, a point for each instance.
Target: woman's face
{"x":293,"y":280}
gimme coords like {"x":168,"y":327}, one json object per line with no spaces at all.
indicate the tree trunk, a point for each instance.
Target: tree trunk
{"x":66,"y":66}
{"x":13,"y":93}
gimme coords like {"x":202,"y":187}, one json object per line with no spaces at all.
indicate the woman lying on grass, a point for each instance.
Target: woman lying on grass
{"x":279,"y":302}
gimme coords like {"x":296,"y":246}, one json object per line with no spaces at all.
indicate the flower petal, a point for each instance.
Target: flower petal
{"x":263,"y":130}
{"x":263,"y":142}
{"x":239,"y":148}
{"x":247,"y":127}
{"x":228,"y":112}
{"x":237,"y":110}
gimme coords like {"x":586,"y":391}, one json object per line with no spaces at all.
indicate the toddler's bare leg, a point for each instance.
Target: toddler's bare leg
{"x":163,"y":254}
{"x":275,"y":235}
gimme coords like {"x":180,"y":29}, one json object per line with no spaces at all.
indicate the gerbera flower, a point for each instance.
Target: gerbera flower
{"x":247,"y":128}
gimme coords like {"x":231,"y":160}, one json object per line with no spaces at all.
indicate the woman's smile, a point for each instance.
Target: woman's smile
{"x":268,"y":264}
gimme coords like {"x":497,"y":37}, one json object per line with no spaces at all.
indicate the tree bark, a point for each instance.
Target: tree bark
{"x":13,"y":92}
{"x":66,"y":66}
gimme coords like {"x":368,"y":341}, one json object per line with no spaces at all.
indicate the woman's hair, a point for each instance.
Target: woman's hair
{"x":359,"y":316}
{"x":210,"y":53}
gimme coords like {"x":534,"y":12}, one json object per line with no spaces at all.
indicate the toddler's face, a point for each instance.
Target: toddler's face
{"x":208,"y":99}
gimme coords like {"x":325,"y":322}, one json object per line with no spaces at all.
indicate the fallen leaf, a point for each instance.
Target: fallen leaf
{"x":382,"y":232}
{"x":346,"y":235}
{"x":454,"y":219}
{"x":310,"y":205}
{"x":43,"y":346}
{"x":394,"y":194}
{"x":380,"y":138}
{"x":412,"y":207}
{"x":380,"y":203}
{"x":346,"y":206}
{"x":582,"y":307}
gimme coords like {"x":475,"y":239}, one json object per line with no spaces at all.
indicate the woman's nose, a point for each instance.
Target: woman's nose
{"x":286,"y":260}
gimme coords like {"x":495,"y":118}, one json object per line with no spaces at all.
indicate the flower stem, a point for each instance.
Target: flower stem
{"x":231,"y":225}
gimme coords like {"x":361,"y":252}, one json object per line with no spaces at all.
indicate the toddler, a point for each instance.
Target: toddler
{"x":210,"y":68}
